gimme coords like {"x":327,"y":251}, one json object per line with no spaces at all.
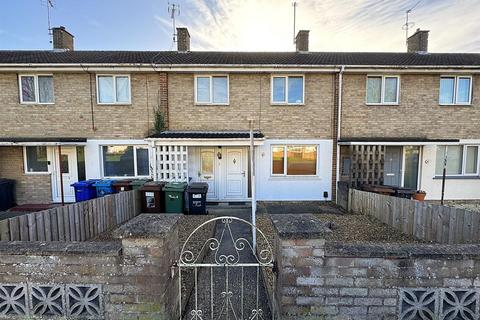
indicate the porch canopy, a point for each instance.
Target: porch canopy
{"x":39,"y":141}
{"x":170,"y":149}
{"x":207,"y":138}
{"x":385,"y":141}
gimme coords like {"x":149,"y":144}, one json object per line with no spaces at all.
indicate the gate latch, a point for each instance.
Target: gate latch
{"x":172,"y":269}
{"x":275,"y":267}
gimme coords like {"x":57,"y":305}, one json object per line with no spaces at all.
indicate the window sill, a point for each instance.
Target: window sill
{"x":382,"y":104}
{"x":37,"y":104}
{"x":37,"y":173}
{"x":114,"y":104}
{"x":457,"y":177}
{"x":286,"y":104}
{"x":212,"y":104}
{"x":455,"y":105}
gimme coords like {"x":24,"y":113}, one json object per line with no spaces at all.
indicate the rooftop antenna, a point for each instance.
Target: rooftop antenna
{"x":409,"y":24}
{"x":49,"y":4}
{"x":294,"y":4}
{"x":174,"y":10}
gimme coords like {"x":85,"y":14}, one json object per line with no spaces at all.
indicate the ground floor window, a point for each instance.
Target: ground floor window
{"x":460,"y":160}
{"x":294,"y":160}
{"x":36,"y":159}
{"x":125,"y":161}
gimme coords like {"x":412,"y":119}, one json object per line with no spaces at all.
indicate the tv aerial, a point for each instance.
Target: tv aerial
{"x":409,"y":24}
{"x":174,"y":10}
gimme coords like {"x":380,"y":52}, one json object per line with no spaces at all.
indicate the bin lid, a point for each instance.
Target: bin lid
{"x":104,"y":183}
{"x":153,"y":186}
{"x":175,"y":186}
{"x":84,"y":183}
{"x":139,"y":182}
{"x":122,"y":183}
{"x":3,"y":180}
{"x":200,"y":187}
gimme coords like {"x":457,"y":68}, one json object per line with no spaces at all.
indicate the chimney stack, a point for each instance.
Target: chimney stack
{"x":183,"y":40}
{"x":418,"y":42}
{"x":301,"y":40}
{"x":62,"y":39}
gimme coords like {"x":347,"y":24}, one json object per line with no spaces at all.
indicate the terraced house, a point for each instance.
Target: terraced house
{"x":185,"y":115}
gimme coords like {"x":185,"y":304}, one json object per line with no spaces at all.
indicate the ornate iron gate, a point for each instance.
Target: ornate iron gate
{"x":226,"y":274}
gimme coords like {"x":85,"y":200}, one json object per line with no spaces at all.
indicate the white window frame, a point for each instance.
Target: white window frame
{"x":464,"y":162}
{"x":285,"y":102}
{"x":285,"y":162}
{"x":382,"y":90}
{"x":37,"y":91}
{"x":25,"y":162}
{"x":135,"y":147}
{"x":455,"y":90}
{"x":211,"y":76}
{"x":129,"y":102}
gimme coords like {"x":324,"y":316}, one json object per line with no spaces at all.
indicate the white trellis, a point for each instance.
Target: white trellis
{"x":172,"y":163}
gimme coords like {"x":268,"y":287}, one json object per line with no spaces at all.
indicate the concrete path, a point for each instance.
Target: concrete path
{"x":245,"y":283}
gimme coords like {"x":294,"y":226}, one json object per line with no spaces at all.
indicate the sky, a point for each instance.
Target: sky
{"x":243,"y":25}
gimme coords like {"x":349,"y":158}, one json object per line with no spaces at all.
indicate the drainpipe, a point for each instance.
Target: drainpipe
{"x":339,"y":125}
{"x":252,"y":178}
{"x":61,"y":173}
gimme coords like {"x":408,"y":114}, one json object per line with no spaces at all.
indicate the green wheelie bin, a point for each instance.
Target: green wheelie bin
{"x":174,"y":193}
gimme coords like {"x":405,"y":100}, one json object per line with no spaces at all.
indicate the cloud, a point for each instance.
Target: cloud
{"x":336,"y":25}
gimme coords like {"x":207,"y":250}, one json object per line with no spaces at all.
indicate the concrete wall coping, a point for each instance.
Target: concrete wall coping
{"x":299,"y":226}
{"x":403,"y":251}
{"x":39,"y":248}
{"x":147,"y":226}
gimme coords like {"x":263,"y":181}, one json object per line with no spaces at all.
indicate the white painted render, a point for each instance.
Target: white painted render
{"x":455,"y":189}
{"x":293,"y":188}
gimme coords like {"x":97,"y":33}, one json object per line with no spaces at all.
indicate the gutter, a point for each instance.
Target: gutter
{"x":339,"y":124}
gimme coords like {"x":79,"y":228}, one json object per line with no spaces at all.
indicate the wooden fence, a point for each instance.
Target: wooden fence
{"x":419,"y":219}
{"x":79,"y":221}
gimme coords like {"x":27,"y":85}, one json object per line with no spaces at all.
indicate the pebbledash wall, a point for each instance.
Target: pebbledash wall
{"x":127,"y":279}
{"x":318,"y":279}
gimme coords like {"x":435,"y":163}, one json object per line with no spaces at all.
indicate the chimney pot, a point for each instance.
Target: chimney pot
{"x":183,"y":40}
{"x":62,"y":39}
{"x":418,"y":42}
{"x":301,"y":40}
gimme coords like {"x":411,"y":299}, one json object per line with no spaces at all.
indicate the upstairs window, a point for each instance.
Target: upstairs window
{"x":461,"y":160}
{"x":125,"y":161}
{"x":211,"y":90}
{"x":36,"y":89}
{"x":382,"y":89}
{"x":287,"y":89}
{"x":294,"y":160}
{"x":113,"y":89}
{"x":455,"y":90}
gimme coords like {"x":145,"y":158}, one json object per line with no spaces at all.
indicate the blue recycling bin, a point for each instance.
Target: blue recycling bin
{"x":85,"y":190}
{"x":104,"y":187}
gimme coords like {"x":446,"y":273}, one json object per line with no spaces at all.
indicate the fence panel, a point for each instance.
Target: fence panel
{"x":421,"y":220}
{"x":74,"y":222}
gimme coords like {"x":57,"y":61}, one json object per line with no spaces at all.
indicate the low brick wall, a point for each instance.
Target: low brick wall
{"x":125,"y":279}
{"x":318,"y":279}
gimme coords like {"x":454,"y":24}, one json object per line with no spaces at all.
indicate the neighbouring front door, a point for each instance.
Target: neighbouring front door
{"x":235,"y":174}
{"x":393,"y":166}
{"x":208,"y":170}
{"x":68,"y":165}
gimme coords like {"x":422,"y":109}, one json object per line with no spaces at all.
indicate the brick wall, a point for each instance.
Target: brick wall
{"x":318,"y":279}
{"x":250,"y":97}
{"x":133,"y":276}
{"x":71,"y":115}
{"x":417,"y":115}
{"x":31,"y":188}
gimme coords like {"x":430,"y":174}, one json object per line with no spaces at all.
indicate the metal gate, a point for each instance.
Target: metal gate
{"x":223,"y":280}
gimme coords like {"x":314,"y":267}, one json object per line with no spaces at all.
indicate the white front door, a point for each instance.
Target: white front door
{"x":208,"y":168}
{"x":68,"y":165}
{"x":235,"y":174}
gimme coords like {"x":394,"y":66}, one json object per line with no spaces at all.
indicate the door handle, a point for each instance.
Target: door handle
{"x":243,"y":173}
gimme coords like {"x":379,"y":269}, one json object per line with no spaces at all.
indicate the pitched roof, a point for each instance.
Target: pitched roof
{"x":240,"y":58}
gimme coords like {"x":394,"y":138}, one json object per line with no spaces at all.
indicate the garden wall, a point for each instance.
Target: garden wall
{"x":318,"y":279}
{"x":125,"y":279}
